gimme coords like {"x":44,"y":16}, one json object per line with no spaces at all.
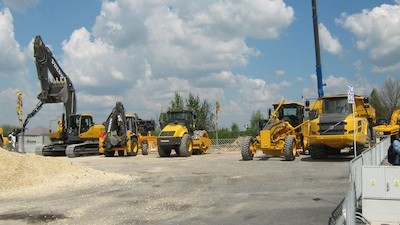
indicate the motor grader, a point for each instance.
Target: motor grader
{"x":120,"y":133}
{"x":179,"y":134}
{"x":282,"y":134}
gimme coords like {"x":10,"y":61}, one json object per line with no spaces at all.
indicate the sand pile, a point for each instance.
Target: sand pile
{"x":23,"y":173}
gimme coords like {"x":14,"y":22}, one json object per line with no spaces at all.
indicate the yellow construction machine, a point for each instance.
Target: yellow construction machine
{"x":390,"y":129}
{"x":147,"y":140}
{"x":281,"y":135}
{"x":179,"y":134}
{"x":120,"y":133}
{"x":76,"y":134}
{"x":332,"y":125}
{"x":3,"y":140}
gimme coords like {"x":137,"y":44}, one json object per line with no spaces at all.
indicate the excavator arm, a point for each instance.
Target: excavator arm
{"x":55,"y":89}
{"x":116,"y":127}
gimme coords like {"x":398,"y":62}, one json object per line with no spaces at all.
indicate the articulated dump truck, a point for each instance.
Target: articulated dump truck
{"x":334,"y":128}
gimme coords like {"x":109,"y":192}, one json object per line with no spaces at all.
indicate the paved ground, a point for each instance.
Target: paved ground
{"x":217,"y":188}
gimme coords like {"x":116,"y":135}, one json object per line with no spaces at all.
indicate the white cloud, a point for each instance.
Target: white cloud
{"x":280,"y":72}
{"x":338,"y":85}
{"x":12,"y":59}
{"x":329,"y":42}
{"x":377,"y":32}
{"x":20,"y":5}
{"x":142,"y":52}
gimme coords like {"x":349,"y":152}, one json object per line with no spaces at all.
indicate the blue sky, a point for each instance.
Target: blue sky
{"x":245,"y":54}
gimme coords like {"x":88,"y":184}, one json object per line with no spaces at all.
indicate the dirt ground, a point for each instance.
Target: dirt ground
{"x":216,"y":188}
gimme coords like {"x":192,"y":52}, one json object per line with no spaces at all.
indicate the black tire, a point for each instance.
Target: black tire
{"x":318,"y":153}
{"x":134,"y":147}
{"x":121,"y":152}
{"x":290,"y":148}
{"x":109,"y":153}
{"x":246,"y":149}
{"x":145,"y":148}
{"x":163,"y":152}
{"x":1,"y":141}
{"x":186,"y":146}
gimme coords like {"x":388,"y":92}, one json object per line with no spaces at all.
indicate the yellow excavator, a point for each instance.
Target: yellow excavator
{"x":390,"y":129}
{"x":76,"y":134}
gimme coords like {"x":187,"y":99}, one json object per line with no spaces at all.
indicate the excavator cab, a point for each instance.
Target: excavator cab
{"x":82,"y":127}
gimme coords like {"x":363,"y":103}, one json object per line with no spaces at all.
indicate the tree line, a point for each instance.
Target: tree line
{"x":386,"y":99}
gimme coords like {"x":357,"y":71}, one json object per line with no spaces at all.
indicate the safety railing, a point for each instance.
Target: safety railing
{"x":346,"y":212}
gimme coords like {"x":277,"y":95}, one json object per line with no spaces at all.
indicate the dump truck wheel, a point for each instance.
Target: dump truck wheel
{"x":186,"y":147}
{"x":121,"y":152}
{"x":109,"y":153}
{"x":145,"y":148}
{"x":163,"y":152}
{"x":247,"y":154}
{"x":290,"y":148}
{"x":318,"y":153}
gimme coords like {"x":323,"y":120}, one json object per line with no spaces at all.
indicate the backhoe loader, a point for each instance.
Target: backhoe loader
{"x":120,"y":133}
{"x":281,"y":135}
{"x":179,"y":134}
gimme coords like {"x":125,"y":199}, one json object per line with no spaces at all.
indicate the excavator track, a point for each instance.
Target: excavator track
{"x":82,"y":149}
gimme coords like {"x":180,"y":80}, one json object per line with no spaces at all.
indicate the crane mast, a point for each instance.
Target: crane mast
{"x":317,"y":50}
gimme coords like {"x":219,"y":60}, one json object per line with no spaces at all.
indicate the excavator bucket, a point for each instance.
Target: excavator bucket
{"x":57,"y":92}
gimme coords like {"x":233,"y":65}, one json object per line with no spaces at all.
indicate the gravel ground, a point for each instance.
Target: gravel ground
{"x":216,"y":188}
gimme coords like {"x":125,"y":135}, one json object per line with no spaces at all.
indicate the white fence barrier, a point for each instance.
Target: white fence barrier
{"x":346,"y":213}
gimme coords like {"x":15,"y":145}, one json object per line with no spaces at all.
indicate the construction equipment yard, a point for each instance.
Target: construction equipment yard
{"x":214,"y":188}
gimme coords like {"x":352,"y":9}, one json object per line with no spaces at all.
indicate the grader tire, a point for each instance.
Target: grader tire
{"x":246,"y":150}
{"x":121,"y":152}
{"x":163,"y":152}
{"x":186,"y":147}
{"x":290,"y":148}
{"x":318,"y":153}
{"x":145,"y":148}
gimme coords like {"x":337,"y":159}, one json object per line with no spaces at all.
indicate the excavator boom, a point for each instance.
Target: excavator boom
{"x":55,"y":89}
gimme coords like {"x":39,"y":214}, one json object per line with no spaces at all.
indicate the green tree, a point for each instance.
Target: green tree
{"x":390,"y":95}
{"x":234,"y":130}
{"x":177,"y":103}
{"x":202,"y":109}
{"x":253,"y":129}
{"x":375,"y":101}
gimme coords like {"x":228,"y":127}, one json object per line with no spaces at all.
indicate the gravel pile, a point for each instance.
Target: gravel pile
{"x":36,"y":175}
